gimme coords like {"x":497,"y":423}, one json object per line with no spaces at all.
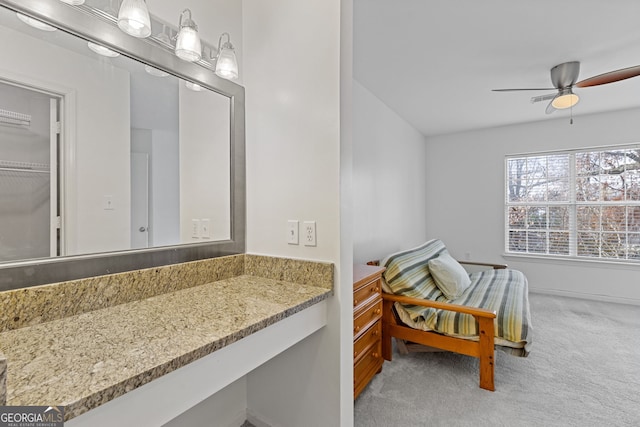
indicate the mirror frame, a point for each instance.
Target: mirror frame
{"x":74,"y":20}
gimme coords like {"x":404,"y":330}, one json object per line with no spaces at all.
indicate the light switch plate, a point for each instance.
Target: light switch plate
{"x":292,"y":232}
{"x":195,"y":228}
{"x":205,"y":229}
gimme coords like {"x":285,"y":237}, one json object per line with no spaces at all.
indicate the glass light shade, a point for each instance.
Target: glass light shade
{"x":133,"y":18}
{"x":35,"y":23}
{"x":155,"y":72}
{"x":188,"y":46}
{"x":101,"y":50}
{"x":227,"y":64}
{"x":193,"y":86}
{"x":73,"y":2}
{"x":566,"y":100}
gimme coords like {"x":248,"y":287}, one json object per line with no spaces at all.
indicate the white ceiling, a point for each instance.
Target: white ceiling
{"x":434,"y":62}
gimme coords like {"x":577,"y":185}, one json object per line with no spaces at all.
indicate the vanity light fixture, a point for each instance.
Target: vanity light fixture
{"x":101,"y":50}
{"x":73,"y":2}
{"x":226,"y":62}
{"x":134,"y":19}
{"x":35,"y":23}
{"x":193,"y":86}
{"x":566,"y":99}
{"x":155,"y":72}
{"x":188,"y":46}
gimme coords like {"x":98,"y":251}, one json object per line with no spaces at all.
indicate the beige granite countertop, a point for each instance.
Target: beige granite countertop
{"x":85,"y":360}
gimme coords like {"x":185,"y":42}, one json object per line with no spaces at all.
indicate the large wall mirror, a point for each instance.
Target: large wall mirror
{"x":110,"y":160}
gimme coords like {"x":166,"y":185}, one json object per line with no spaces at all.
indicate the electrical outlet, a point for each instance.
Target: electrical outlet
{"x":309,"y":230}
{"x":292,"y":232}
{"x":195,"y":228}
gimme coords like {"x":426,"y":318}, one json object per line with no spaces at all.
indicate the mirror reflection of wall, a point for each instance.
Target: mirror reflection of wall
{"x":144,"y":161}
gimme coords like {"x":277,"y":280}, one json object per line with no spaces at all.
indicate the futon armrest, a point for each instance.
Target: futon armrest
{"x":485,"y":264}
{"x":474,"y":311}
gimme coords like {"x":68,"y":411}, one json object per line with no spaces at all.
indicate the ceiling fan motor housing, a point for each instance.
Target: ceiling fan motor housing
{"x":565,"y":75}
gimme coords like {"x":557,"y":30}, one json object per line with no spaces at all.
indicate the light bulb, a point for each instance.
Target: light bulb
{"x":188,"y":45}
{"x":133,"y":18}
{"x":193,"y":86}
{"x":155,"y":72}
{"x":227,"y":65}
{"x":35,"y":23}
{"x":101,"y":50}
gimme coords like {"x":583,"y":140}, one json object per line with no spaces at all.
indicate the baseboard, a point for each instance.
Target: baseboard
{"x":257,"y":420}
{"x":592,"y":297}
{"x":236,"y":420}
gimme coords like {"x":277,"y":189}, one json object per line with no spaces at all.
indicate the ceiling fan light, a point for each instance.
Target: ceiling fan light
{"x":566,"y":100}
{"x":73,"y":2}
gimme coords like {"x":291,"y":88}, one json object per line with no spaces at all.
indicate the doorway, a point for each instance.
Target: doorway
{"x":29,"y":152}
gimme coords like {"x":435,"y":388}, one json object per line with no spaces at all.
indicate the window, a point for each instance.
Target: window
{"x":583,"y":204}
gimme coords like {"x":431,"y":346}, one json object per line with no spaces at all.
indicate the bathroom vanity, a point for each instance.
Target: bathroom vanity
{"x":84,"y":343}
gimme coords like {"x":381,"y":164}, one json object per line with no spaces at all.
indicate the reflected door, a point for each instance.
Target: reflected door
{"x":139,"y":200}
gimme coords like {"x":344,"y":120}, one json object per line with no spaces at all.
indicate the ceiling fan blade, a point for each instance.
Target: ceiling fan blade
{"x":540,"y":98}
{"x":550,"y":108}
{"x":513,"y":90}
{"x":610,"y":77}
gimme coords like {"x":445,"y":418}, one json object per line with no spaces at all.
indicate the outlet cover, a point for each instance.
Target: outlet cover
{"x":292,"y":232}
{"x":195,"y":228}
{"x":309,"y":233}
{"x":205,"y":224}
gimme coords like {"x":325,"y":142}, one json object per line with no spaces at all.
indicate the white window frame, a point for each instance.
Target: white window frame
{"x":572,"y":205}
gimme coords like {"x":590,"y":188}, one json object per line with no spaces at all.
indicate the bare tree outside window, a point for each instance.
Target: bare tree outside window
{"x":581,"y":204}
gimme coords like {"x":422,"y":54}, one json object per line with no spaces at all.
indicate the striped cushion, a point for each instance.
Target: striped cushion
{"x":407,"y":274}
{"x":504,"y":291}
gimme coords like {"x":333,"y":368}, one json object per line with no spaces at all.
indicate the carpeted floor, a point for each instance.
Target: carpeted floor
{"x":583,"y":370}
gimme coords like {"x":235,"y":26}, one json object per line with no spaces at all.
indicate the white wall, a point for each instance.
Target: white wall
{"x":389,"y":175}
{"x":465,"y":186}
{"x":205,"y":171}
{"x":292,"y":77}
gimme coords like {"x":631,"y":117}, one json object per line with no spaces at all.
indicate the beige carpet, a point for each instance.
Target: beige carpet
{"x":583,"y":370}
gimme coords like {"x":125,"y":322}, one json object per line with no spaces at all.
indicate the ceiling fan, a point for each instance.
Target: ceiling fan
{"x":564,"y":78}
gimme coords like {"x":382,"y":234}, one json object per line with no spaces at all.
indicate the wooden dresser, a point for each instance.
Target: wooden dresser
{"x":367,"y":328}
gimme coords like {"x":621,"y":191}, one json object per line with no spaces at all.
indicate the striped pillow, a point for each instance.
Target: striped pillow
{"x":407,"y":273}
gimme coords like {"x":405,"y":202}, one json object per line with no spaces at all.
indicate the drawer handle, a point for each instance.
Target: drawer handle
{"x":357,"y":328}
{"x":375,"y":355}
{"x":355,"y":353}
{"x":373,"y":289}
{"x":375,"y":333}
{"x":355,"y":302}
{"x":377,"y":311}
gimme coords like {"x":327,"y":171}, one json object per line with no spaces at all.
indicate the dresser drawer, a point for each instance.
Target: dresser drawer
{"x":367,"y":318}
{"x":365,"y":293}
{"x":370,"y":337}
{"x":368,"y":365}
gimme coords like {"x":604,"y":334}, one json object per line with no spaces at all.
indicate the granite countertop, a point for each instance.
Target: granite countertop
{"x":85,"y":360}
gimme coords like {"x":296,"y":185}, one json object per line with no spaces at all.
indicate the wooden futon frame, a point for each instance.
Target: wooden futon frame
{"x":483,"y":349}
